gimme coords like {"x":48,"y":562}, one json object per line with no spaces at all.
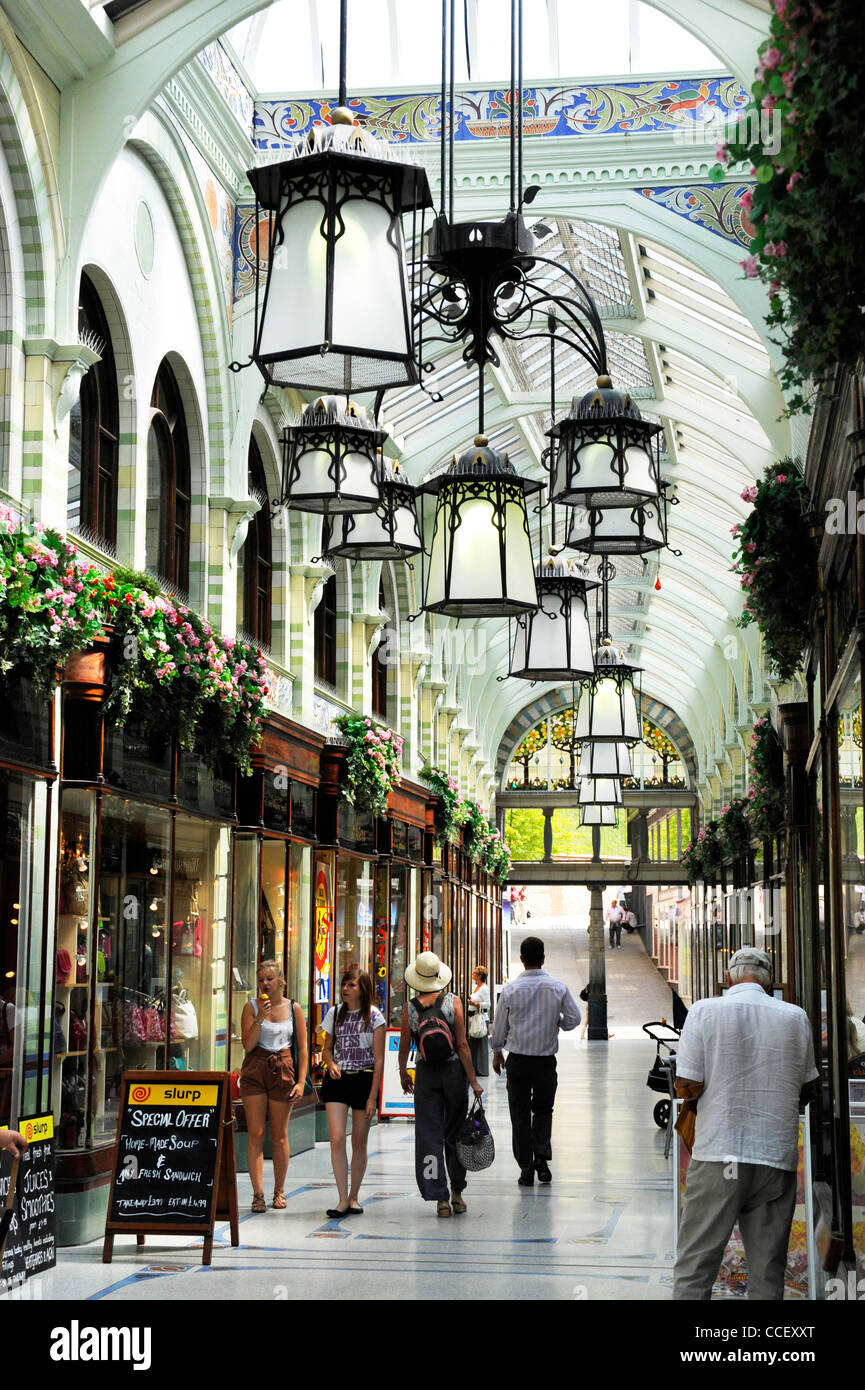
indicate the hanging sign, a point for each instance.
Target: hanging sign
{"x":30,"y":1244}
{"x":392,"y":1100}
{"x":174,"y":1166}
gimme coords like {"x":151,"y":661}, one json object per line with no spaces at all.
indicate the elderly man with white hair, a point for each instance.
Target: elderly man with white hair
{"x":750,"y":1059}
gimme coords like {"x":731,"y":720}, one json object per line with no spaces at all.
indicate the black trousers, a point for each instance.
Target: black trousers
{"x":532,"y":1083}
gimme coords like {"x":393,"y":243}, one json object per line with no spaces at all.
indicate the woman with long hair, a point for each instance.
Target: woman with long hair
{"x":268,"y":1085}
{"x":353,"y":1056}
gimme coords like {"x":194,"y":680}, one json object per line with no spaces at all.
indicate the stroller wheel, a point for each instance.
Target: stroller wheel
{"x":661,"y":1114}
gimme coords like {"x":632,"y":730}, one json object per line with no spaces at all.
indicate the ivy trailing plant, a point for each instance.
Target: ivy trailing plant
{"x":801,"y":138}
{"x":372,"y":764}
{"x":495,"y":857}
{"x":766,"y":790}
{"x":168,"y":668}
{"x":692,"y":861}
{"x":734,"y":828}
{"x":477,"y":829}
{"x":775,"y":557}
{"x":451,"y":810}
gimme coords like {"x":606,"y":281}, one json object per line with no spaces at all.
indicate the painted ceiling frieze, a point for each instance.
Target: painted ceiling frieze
{"x":229,"y":83}
{"x":632,"y":108}
{"x":713,"y":206}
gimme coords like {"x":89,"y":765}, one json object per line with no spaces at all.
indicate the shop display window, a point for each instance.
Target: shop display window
{"x":323,"y":951}
{"x":25,"y":1023}
{"x":273,"y":900}
{"x":852,"y":857}
{"x":356,"y":830}
{"x":25,"y":727}
{"x":400,"y":944}
{"x":303,"y":810}
{"x":276,"y":814}
{"x":135,"y":762}
{"x":208,"y":790}
{"x":245,"y":955}
{"x":354,"y":914}
{"x":299,"y":923}
{"x":380,"y":978}
{"x":199,"y":945}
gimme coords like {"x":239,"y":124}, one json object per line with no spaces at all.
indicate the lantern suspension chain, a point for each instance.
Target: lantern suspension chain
{"x":343,"y":50}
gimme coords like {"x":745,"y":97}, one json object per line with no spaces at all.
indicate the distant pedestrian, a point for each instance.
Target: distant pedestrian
{"x":433,"y":1023}
{"x":479,"y":1021}
{"x":613,"y":917}
{"x":529,"y":1014}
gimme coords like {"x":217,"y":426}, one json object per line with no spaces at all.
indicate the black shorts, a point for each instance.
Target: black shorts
{"x":352,"y":1089}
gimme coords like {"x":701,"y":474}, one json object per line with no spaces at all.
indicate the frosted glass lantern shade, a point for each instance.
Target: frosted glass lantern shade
{"x":608,"y":711}
{"x":556,"y":642}
{"x":619,"y":530}
{"x":334,"y":313}
{"x":331,"y":460}
{"x":391,"y":532}
{"x":606,"y":454}
{"x":600,"y":791}
{"x":598,"y":815}
{"x":605,"y":760}
{"x":481,"y":563}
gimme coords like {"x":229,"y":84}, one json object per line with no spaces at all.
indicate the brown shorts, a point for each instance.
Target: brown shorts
{"x":268,"y":1074}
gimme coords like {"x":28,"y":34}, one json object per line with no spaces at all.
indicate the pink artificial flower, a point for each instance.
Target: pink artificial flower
{"x":781,"y":478}
{"x":750,"y":267}
{"x":722,"y":152}
{"x":794,"y":178}
{"x":747,"y":199}
{"x":751,"y":547}
{"x":749,"y":494}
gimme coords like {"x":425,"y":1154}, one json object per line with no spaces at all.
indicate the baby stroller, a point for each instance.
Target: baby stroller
{"x":662,"y":1077}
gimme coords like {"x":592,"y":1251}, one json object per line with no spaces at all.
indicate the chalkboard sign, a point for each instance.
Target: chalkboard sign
{"x":174,"y":1162}
{"x":31,"y":1244}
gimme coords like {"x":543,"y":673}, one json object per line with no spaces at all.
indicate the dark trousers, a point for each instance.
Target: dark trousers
{"x":615,"y":931}
{"x":440,"y":1106}
{"x":532,"y":1083}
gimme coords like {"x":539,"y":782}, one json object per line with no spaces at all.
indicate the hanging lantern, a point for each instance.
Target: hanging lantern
{"x":598,"y":815}
{"x":607,"y":710}
{"x":605,"y":760}
{"x":331,"y":461}
{"x":607,"y":454}
{"x":480,"y":563}
{"x":620,"y":530}
{"x":335,"y":311}
{"x":600,"y":791}
{"x":391,"y":532}
{"x":555,"y":643}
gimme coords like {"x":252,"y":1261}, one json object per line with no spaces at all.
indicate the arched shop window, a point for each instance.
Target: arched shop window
{"x":169,"y":493}
{"x":254,"y":579}
{"x":91,"y":490}
{"x":325,"y":634}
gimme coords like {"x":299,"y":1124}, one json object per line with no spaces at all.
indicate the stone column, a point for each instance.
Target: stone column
{"x":548,"y":835}
{"x":597,"y":968}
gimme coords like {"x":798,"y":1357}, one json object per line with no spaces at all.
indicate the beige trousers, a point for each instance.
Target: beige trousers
{"x":717,"y":1197}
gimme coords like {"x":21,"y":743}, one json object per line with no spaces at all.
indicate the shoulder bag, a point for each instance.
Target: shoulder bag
{"x":308,"y":1088}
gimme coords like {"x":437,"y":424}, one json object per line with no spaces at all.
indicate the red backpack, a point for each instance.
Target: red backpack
{"x":435,"y":1039}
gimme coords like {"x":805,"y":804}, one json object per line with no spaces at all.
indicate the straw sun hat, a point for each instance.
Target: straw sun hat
{"x":427,"y":973}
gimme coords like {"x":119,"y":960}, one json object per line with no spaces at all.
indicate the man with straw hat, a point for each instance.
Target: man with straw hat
{"x":433,"y":1023}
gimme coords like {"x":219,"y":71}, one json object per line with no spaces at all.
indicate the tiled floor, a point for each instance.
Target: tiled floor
{"x":602,"y":1230}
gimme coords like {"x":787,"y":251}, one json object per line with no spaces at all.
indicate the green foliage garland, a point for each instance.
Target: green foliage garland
{"x":451,"y":810}
{"x":801,"y":137}
{"x":372,"y":765}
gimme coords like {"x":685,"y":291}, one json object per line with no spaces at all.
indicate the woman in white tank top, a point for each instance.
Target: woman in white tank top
{"x":268,"y":1085}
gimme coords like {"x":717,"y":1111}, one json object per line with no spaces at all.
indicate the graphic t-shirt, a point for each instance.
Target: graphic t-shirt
{"x":353,"y":1050}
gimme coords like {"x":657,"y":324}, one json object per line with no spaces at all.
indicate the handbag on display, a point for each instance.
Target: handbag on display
{"x":475,"y":1146}
{"x":478,"y":1026}
{"x":184,"y":1020}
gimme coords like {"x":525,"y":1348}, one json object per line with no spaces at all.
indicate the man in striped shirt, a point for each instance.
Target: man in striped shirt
{"x":531,"y":1010}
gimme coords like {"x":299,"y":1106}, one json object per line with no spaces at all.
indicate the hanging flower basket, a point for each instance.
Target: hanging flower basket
{"x":766,"y":792}
{"x":372,"y":768}
{"x":451,"y":810}
{"x":711,"y":850}
{"x":776,"y":560}
{"x":692,"y":861}
{"x":734,"y":830}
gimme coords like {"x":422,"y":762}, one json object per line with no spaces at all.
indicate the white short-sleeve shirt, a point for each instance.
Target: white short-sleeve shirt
{"x":754,"y":1054}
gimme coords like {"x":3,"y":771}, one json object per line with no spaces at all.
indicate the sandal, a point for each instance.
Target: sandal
{"x":258,"y":1202}
{"x":443,"y":1208}
{"x":279,"y":1201}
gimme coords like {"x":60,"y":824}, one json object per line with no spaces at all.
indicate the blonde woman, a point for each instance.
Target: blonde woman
{"x":268,"y":1086}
